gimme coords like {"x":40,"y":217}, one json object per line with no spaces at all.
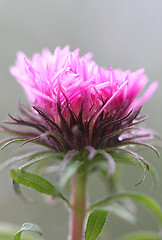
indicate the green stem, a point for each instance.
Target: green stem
{"x":79,"y":206}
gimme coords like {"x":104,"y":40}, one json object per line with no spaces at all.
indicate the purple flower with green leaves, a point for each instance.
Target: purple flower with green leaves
{"x":84,"y":116}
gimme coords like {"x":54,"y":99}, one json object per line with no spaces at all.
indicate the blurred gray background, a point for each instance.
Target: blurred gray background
{"x":126,"y":34}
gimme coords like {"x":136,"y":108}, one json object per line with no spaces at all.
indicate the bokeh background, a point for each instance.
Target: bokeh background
{"x":126,"y":34}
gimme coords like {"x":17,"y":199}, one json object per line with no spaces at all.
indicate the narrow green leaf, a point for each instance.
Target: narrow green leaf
{"x":28,"y":227}
{"x":141,"y":236}
{"x":40,"y":158}
{"x":11,"y":142}
{"x":135,"y":156}
{"x":33,"y":181}
{"x":122,"y":212}
{"x":148,"y":202}
{"x":67,"y":173}
{"x":141,"y":161}
{"x":123,"y":158}
{"x":16,"y":158}
{"x":128,"y":159}
{"x":141,"y":144}
{"x":34,"y":154}
{"x":96,"y":221}
{"x":36,"y":182}
{"x":3,"y":141}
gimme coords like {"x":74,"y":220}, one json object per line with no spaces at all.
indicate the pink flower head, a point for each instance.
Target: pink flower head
{"x":84,"y":103}
{"x":72,"y":80}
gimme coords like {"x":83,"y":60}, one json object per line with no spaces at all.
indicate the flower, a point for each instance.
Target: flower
{"x":77,"y":105}
{"x":76,"y":82}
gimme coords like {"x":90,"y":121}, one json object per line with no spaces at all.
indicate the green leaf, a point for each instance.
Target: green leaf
{"x":33,"y":181}
{"x":67,"y":173}
{"x":96,"y":221}
{"x":141,"y":161}
{"x":141,"y":236}
{"x":141,"y":144}
{"x":36,"y":182}
{"x":123,"y":158}
{"x":129,"y":159}
{"x":148,"y":202}
{"x":40,"y":158}
{"x":28,"y":227}
{"x":16,"y":158}
{"x":136,"y":156}
{"x":13,"y":140}
{"x":122,"y":212}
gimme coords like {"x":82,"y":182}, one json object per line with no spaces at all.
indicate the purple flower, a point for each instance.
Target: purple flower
{"x":78,"y":83}
{"x":77,"y":105}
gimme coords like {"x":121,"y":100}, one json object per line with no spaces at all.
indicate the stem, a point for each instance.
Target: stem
{"x":79,"y":205}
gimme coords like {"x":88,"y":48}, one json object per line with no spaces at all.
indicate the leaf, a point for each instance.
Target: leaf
{"x":40,"y":158}
{"x":68,"y":172}
{"x":148,"y":202}
{"x":123,"y":158}
{"x":20,"y":157}
{"x":96,"y":221}
{"x":141,"y":161}
{"x":24,"y":140}
{"x":39,"y":153}
{"x":13,"y":140}
{"x":28,"y":227}
{"x":141,"y":236}
{"x":122,"y":212}
{"x":34,"y":181}
{"x":135,"y":156}
{"x":128,"y":159}
{"x":141,"y":144}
